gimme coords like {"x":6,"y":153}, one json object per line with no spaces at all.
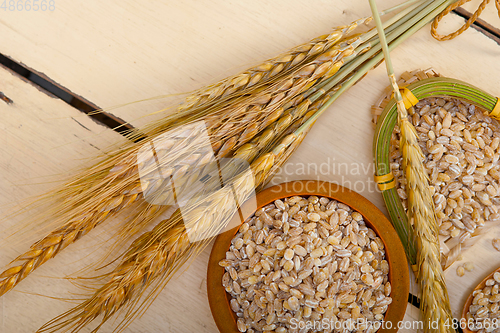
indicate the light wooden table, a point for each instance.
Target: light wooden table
{"x":114,"y":52}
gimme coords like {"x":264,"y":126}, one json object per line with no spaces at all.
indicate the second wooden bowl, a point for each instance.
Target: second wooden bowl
{"x":464,"y":323}
{"x":219,"y":300}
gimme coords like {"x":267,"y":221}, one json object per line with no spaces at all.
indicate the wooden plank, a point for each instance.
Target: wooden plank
{"x":485,"y":259}
{"x":490,"y":14}
{"x":114,"y":53}
{"x":44,"y":140}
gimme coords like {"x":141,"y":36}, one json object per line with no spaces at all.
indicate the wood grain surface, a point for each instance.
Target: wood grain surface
{"x":490,"y":14}
{"x":114,"y":52}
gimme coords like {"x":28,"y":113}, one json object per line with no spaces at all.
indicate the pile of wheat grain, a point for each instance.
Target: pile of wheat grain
{"x":306,"y":260}
{"x":461,"y":148}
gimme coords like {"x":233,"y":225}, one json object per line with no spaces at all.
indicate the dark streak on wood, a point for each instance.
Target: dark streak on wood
{"x":56,"y":90}
{"x":414,"y":300}
{"x":5,"y":98}
{"x":79,"y":123}
{"x":90,"y":144}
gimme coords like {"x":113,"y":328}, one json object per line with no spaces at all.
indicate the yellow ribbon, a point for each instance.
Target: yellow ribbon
{"x":496,"y":110}
{"x":384,"y":178}
{"x":408,"y":98}
{"x":387,"y":186}
{"x":385,"y":182}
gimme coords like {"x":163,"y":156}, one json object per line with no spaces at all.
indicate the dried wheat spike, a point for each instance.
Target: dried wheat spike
{"x":260,"y":74}
{"x":156,"y":255}
{"x":435,"y":304}
{"x":269,"y":104}
{"x":48,"y":247}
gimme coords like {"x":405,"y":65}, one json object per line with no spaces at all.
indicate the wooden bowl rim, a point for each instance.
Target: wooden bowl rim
{"x":225,"y":318}
{"x":469,"y":300}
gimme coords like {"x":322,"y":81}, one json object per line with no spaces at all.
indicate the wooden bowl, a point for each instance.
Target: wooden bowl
{"x":468,"y":302}
{"x":219,"y":299}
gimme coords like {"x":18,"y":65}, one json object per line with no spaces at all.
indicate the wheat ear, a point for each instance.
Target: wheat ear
{"x":270,"y":102}
{"x":155,"y":256}
{"x":125,"y":172}
{"x":49,"y":246}
{"x":434,"y":303}
{"x":271,"y":68}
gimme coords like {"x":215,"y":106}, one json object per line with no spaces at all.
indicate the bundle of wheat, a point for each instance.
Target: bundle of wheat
{"x":435,"y":304}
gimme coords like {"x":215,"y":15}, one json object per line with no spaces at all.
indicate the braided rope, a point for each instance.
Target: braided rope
{"x":466,"y":26}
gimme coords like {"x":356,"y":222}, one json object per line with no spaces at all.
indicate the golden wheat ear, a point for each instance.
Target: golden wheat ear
{"x":257,"y":76}
{"x":435,"y":304}
{"x":120,"y":186}
{"x":154,"y":257}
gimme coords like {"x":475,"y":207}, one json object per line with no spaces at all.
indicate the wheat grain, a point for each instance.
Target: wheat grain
{"x":308,"y":280}
{"x":466,"y":197}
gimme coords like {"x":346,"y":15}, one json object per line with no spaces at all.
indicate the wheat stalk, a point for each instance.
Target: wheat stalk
{"x":239,"y":125}
{"x":434,"y":304}
{"x":271,"y":68}
{"x":155,"y":256}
